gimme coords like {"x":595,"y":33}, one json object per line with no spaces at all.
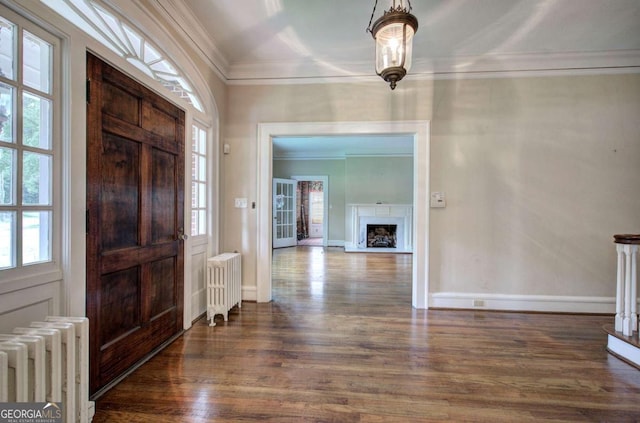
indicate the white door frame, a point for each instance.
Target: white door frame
{"x":325,"y":202}
{"x":421,"y":149}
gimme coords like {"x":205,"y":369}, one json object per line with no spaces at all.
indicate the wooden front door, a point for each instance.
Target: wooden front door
{"x":135,"y":221}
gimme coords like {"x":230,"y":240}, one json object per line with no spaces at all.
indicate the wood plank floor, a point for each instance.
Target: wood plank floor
{"x":341,"y":343}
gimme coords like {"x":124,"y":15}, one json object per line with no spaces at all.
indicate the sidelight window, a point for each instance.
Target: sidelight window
{"x":198,"y":181}
{"x":27,"y":145}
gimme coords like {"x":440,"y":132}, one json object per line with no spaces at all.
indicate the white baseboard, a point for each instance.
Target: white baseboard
{"x":335,"y":243}
{"x":249,"y":293}
{"x":541,"y":303}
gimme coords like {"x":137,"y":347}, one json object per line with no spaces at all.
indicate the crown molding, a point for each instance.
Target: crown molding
{"x":189,"y":25}
{"x":510,"y":62}
{"x":486,"y":66}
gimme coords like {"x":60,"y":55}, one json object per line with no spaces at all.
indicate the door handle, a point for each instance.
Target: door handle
{"x":181,"y":235}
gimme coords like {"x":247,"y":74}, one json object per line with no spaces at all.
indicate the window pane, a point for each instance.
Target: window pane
{"x":36,"y":66}
{"x":202,"y":196}
{"x":202,"y":168}
{"x":112,"y":23}
{"x":7,"y":239}
{"x":7,"y":29}
{"x":150,"y":54}
{"x":202,"y":220}
{"x":164,"y":67}
{"x":199,"y":140}
{"x":6,"y":113}
{"x":36,"y":237}
{"x":203,"y":142}
{"x":7,"y":176}
{"x":36,"y":179}
{"x":194,"y":222}
{"x":36,"y":121}
{"x":134,"y":39}
{"x":194,"y":139}
{"x":194,"y":195}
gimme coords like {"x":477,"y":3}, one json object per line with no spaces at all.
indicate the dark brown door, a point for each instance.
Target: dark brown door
{"x":135,"y":197}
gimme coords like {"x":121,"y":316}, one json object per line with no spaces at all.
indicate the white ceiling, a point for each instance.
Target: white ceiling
{"x":249,"y":40}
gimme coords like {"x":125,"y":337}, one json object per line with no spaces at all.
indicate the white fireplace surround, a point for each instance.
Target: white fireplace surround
{"x":361,"y":215}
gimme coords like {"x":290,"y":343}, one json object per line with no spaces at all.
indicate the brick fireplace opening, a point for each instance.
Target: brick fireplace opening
{"x":382,"y":236}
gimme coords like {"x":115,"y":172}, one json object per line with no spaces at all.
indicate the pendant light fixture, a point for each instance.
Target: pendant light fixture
{"x":393,"y":33}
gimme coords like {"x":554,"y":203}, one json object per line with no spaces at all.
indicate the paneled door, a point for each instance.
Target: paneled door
{"x":135,"y":221}
{"x":284,"y":213}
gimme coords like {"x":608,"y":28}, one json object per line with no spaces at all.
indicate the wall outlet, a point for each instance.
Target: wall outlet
{"x":241,"y":203}
{"x":478,"y":303}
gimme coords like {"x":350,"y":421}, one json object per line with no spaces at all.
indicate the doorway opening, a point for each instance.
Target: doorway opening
{"x":417,"y":130}
{"x":309,"y":213}
{"x":312,"y":215}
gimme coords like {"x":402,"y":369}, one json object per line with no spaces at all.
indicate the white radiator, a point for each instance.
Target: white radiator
{"x":224,"y":285}
{"x":49,"y":362}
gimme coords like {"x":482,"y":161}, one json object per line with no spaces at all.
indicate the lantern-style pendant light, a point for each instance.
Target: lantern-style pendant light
{"x":393,"y":33}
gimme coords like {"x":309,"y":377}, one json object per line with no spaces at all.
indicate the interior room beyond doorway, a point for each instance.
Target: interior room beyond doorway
{"x":310,"y":211}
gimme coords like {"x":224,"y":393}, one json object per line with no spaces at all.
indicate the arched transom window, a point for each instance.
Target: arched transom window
{"x":128,"y":43}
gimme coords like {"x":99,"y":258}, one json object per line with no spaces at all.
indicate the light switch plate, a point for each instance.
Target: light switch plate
{"x":438,"y":199}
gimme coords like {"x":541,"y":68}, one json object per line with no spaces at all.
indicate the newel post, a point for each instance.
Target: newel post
{"x":626,"y":320}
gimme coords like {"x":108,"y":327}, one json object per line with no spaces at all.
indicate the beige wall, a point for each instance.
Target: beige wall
{"x":386,"y":180}
{"x":539,"y":173}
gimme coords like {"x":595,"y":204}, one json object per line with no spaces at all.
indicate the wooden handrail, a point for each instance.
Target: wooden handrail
{"x":627,"y":239}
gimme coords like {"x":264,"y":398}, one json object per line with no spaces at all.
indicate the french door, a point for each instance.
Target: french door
{"x":284,"y":213}
{"x":135,"y":214}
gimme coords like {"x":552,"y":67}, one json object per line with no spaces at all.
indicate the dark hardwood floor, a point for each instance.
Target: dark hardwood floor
{"x":341,"y":343}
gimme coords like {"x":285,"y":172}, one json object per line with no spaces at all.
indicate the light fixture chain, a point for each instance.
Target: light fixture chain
{"x":372,"y":13}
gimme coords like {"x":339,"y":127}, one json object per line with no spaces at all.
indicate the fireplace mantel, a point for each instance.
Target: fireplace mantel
{"x":359,"y":215}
